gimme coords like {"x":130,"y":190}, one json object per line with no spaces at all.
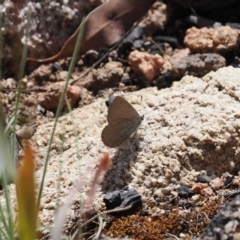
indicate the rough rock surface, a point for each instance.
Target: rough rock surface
{"x":198,"y":64}
{"x":52,"y":23}
{"x":106,"y":77}
{"x":206,"y":40}
{"x":51,"y":98}
{"x":225,"y":225}
{"x":146,"y":64}
{"x":155,"y":19}
{"x":192,"y":126}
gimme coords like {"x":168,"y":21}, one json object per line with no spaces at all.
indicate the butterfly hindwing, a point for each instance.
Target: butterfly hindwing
{"x":118,"y":131}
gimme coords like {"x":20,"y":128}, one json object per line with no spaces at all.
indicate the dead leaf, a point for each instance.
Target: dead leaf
{"x":104,"y":26}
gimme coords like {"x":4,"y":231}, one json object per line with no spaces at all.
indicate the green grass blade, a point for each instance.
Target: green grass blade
{"x":1,"y":44}
{"x":8,"y":130}
{"x":9,"y":209}
{"x":3,"y":221}
{"x":22,"y":67}
{"x":60,"y":105}
{"x":7,"y":172}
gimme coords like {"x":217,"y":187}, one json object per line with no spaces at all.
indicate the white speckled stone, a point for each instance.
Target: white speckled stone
{"x":196,"y":129}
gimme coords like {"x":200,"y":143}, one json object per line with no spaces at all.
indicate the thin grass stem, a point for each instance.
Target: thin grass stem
{"x":1,"y":43}
{"x":59,"y":172}
{"x":22,"y":67}
{"x":59,"y":109}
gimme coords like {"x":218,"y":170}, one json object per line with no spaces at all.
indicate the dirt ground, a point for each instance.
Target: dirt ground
{"x":163,"y":61}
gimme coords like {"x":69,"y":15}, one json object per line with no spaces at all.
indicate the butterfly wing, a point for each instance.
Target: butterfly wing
{"x":123,"y":120}
{"x":119,"y":130}
{"x":121,"y":108}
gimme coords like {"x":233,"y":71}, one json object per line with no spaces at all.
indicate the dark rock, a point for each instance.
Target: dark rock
{"x":203,"y":22}
{"x":101,"y":53}
{"x":112,"y":200}
{"x":124,"y":48}
{"x":228,"y":180}
{"x":163,"y":81}
{"x":205,"y":5}
{"x":144,"y":212}
{"x":90,"y":57}
{"x":233,"y":25}
{"x":130,"y":197}
{"x":204,"y":179}
{"x":184,"y":192}
{"x":147,"y":45}
{"x":138,"y":44}
{"x":123,"y":198}
{"x":140,"y":82}
{"x":56,"y":67}
{"x":126,"y":79}
{"x":225,"y":224}
{"x":173,"y":41}
{"x":134,"y":40}
{"x":136,"y":33}
{"x":232,"y":194}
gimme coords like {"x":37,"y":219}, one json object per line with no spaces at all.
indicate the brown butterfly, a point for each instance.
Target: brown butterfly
{"x":123,"y":120}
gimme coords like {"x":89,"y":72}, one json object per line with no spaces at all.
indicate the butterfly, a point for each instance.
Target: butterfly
{"x":123,"y":120}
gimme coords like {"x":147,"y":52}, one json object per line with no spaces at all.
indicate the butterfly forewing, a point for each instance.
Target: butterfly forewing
{"x":121,"y":108}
